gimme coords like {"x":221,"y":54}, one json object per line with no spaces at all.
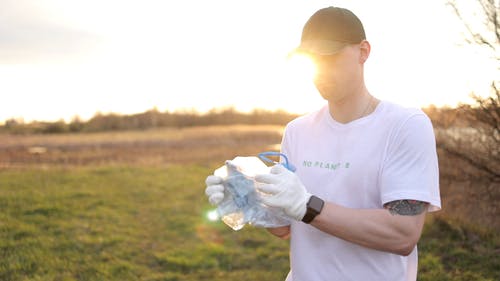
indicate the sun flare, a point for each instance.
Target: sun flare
{"x":301,"y":67}
{"x":212,"y":215}
{"x":301,"y":94}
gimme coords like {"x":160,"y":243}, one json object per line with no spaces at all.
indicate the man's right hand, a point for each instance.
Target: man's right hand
{"x":214,"y":189}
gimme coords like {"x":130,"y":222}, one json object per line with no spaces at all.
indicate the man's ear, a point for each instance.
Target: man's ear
{"x":364,"y":51}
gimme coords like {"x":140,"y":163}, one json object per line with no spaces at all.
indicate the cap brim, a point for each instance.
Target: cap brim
{"x":320,"y":47}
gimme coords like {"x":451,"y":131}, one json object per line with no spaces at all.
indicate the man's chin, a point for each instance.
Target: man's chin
{"x":324,"y":96}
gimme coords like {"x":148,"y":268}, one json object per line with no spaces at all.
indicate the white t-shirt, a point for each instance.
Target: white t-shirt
{"x":385,"y":156}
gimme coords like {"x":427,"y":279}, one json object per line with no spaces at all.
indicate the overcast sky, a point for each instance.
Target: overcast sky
{"x":61,"y":58}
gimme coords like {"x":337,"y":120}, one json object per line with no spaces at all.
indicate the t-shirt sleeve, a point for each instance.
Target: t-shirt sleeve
{"x":410,"y":169}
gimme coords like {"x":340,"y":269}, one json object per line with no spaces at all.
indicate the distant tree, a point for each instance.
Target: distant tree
{"x":479,"y":143}
{"x":13,"y":122}
{"x":14,"y":125}
{"x":473,"y":135}
{"x":468,"y":136}
{"x":54,"y":127}
{"x":76,"y":124}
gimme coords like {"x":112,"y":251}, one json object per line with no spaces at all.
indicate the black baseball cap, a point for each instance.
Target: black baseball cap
{"x":330,"y":29}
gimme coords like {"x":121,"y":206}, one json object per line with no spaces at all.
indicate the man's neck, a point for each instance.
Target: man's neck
{"x":353,"y":106}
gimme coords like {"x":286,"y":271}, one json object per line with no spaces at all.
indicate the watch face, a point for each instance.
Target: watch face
{"x":316,"y":204}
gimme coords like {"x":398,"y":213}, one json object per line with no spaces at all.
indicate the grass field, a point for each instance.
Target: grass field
{"x":124,"y":223}
{"x":122,"y":206}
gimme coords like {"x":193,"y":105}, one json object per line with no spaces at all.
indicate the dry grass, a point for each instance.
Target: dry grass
{"x":156,"y":146}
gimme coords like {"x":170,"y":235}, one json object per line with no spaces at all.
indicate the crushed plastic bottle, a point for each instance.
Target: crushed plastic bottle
{"x":241,"y":204}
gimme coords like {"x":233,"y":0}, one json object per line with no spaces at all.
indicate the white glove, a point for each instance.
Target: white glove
{"x":214,"y":189}
{"x":284,"y":190}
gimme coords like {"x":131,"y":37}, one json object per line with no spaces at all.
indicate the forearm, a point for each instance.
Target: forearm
{"x":372,"y":228}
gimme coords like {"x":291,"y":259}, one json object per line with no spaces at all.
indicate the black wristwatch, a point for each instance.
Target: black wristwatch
{"x":314,"y":207}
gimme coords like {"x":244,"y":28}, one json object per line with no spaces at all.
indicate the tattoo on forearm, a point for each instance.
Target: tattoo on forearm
{"x":406,"y":207}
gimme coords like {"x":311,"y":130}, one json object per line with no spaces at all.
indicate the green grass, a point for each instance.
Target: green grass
{"x":119,"y":223}
{"x":457,"y":251}
{"x":149,"y":223}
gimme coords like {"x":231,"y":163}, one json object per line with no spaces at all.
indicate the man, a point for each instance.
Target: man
{"x":367,"y":170}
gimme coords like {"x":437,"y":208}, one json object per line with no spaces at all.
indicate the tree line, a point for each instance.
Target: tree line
{"x":149,"y":119}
